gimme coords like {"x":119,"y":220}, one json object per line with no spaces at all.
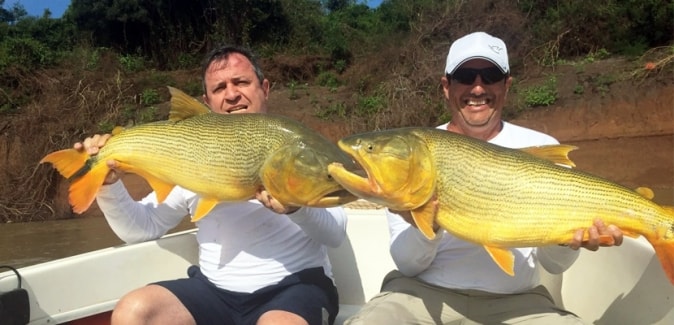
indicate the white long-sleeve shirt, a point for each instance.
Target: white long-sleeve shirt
{"x":243,"y":246}
{"x":450,"y":262}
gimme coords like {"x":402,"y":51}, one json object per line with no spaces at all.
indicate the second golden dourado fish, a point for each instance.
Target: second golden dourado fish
{"x":219,"y":157}
{"x":495,"y":196}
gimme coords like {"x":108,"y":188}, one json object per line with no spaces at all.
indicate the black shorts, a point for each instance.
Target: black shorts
{"x":308,"y":293}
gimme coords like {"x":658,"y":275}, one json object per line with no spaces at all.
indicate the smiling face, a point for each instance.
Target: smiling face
{"x":476,"y":107}
{"x":231,"y":86}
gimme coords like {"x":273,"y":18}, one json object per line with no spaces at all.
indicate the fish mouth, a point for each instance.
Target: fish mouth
{"x":346,"y":195}
{"x":334,"y":198}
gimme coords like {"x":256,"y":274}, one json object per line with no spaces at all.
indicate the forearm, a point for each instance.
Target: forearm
{"x":411,"y":251}
{"x":327,"y":226}
{"x":134,"y":221}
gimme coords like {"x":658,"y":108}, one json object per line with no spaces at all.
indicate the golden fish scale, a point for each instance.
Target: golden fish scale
{"x":514,"y":199}
{"x":226,"y":152}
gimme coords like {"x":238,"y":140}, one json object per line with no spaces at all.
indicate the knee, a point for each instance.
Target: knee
{"x":132,"y":308}
{"x":150,"y":304}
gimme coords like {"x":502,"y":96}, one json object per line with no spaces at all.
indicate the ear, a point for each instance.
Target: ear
{"x":445,"y":86}
{"x":265,"y":88}
{"x":206,"y":101}
{"x":508,"y":83}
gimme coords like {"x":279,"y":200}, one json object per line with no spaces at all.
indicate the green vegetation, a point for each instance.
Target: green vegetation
{"x":541,"y":95}
{"x":334,"y":110}
{"x":328,"y":79}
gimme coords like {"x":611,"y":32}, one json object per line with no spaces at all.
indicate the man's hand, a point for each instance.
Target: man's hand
{"x":272,"y":204}
{"x":599,"y":235}
{"x":91,"y":146}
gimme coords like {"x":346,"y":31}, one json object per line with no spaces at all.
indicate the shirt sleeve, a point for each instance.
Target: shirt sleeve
{"x":556,"y":259}
{"x":326,"y":226}
{"x":411,"y":251}
{"x":137,"y":221}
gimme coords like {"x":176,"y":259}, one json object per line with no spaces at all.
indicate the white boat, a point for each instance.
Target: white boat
{"x":621,"y":285}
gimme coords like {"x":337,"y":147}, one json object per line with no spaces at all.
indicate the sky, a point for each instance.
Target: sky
{"x":58,"y":7}
{"x":37,"y":7}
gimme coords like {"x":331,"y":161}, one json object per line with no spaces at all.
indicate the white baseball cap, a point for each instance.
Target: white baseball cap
{"x":478,"y":45}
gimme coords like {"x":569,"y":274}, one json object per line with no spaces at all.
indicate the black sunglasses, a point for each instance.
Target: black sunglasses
{"x":488,"y":76}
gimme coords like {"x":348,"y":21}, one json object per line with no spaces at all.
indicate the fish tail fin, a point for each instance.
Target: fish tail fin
{"x":663,"y":243}
{"x":68,"y":162}
{"x":86,"y":177}
{"x":83,"y":189}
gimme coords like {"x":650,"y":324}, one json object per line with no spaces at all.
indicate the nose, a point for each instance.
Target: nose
{"x":478,"y":86}
{"x":232,"y":93}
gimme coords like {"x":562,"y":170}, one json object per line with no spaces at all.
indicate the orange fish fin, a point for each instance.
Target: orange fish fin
{"x":424,"y":216}
{"x":630,"y":234}
{"x":557,"y":153}
{"x":607,"y":239}
{"x":645,"y":192}
{"x":83,"y":189}
{"x":665,"y":254}
{"x":67,"y":162}
{"x":504,"y":258}
{"x":85,"y":179}
{"x":663,"y":243}
{"x":603,"y":239}
{"x":184,"y":106}
{"x":117,"y":130}
{"x":203,"y":207}
{"x":161,"y":188}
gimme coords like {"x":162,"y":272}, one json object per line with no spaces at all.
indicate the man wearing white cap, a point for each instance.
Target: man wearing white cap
{"x":446,"y":280}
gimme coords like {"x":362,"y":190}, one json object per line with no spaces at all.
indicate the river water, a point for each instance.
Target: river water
{"x":28,"y":243}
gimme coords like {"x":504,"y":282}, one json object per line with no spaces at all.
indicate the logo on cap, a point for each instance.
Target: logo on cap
{"x":497,"y":49}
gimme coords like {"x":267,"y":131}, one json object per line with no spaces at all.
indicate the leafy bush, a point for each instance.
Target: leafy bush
{"x":149,"y":97}
{"x":328,"y":79}
{"x":541,"y":95}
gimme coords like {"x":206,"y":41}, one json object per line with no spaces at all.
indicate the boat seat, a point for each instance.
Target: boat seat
{"x":621,"y":285}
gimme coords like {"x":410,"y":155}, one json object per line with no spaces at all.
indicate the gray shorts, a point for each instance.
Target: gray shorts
{"x":308,"y":293}
{"x":408,"y":300}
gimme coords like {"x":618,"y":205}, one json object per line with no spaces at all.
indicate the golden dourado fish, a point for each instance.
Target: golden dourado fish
{"x":495,"y":196}
{"x":219,"y":157}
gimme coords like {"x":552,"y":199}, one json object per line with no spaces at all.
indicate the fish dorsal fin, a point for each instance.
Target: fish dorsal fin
{"x":117,"y":130}
{"x":504,"y":258}
{"x":557,"y":153}
{"x":161,"y":188}
{"x":203,"y":208}
{"x":645,"y":192}
{"x":184,"y":106}
{"x":424,"y":217}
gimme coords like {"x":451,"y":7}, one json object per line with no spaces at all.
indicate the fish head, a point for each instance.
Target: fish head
{"x":297,"y":174}
{"x":398,"y":166}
